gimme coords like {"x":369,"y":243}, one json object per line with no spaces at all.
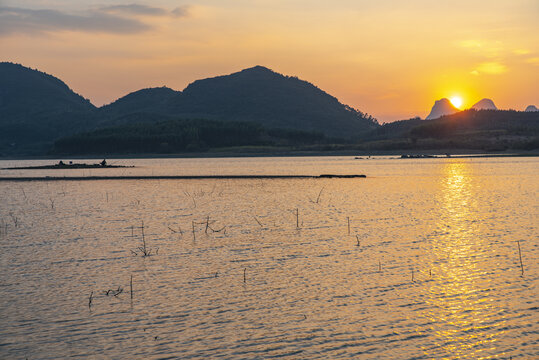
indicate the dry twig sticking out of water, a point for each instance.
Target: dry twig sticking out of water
{"x":114,"y":292}
{"x":520,"y":257}
{"x":259,"y":223}
{"x":145,"y":251}
{"x":90,"y":300}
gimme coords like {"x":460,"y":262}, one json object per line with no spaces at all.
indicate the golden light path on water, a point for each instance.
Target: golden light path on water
{"x":460,"y":311}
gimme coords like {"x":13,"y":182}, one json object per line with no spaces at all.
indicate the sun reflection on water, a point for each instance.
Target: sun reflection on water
{"x":459,"y":308}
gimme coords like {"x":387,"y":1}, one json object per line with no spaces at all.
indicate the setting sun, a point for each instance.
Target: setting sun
{"x":456,"y":101}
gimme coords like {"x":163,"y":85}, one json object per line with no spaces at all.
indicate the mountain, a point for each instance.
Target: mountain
{"x":531,"y":108}
{"x":484,"y":104}
{"x":441,"y":107}
{"x":36,"y":108}
{"x":24,"y":92}
{"x":485,"y":130}
{"x":256,"y":94}
{"x":152,"y":100}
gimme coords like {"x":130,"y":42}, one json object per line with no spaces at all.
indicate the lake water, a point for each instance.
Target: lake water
{"x":436,"y":274}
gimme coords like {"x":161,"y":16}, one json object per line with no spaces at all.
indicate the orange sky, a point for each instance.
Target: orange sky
{"x":391,"y":59}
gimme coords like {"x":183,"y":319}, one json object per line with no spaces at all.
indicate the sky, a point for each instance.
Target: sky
{"x":391,"y":59}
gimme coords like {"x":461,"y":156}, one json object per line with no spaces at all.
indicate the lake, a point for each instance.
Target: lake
{"x":420,"y":260}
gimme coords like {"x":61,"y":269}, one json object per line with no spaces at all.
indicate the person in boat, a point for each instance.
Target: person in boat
{"x":103,"y":163}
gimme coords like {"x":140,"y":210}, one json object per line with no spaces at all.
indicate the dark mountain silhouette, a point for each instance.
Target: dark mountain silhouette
{"x":257,"y":94}
{"x":36,"y":108}
{"x":441,"y":107}
{"x":151,"y":100}
{"x":24,"y":92}
{"x":531,"y":108}
{"x":484,"y":104}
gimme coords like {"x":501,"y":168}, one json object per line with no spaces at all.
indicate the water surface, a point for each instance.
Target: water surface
{"x":308,"y":291}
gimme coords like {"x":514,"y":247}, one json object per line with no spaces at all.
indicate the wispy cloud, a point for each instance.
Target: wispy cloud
{"x":119,"y":19}
{"x":144,"y":10}
{"x":493,"y":68}
{"x":521,"y":52}
{"x":490,"y":49}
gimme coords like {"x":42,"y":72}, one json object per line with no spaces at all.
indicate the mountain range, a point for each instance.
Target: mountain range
{"x":255,"y":107}
{"x":444,"y":107}
{"x":37,"y":108}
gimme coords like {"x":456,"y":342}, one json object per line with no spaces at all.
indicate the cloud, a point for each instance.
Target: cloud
{"x":489,"y":49}
{"x":181,"y":11}
{"x":521,"y":52}
{"x":118,"y":19}
{"x":493,"y":68}
{"x":135,"y":9}
{"x":144,"y":10}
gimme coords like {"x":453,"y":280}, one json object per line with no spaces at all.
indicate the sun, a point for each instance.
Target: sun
{"x":456,"y":101}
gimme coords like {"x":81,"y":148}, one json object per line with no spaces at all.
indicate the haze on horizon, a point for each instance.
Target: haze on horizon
{"x":390,"y":59}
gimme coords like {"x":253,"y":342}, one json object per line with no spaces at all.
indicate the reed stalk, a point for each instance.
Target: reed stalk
{"x":520,"y":257}
{"x":259,"y":223}
{"x":143,"y":239}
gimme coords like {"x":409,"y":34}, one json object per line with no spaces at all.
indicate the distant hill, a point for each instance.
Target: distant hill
{"x":484,"y":104}
{"x":469,"y":129}
{"x":151,"y":100}
{"x":256,"y":94}
{"x":531,"y":108}
{"x":441,"y":107}
{"x":36,"y":108}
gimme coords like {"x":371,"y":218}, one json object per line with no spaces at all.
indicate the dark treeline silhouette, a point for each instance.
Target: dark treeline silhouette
{"x":177,"y":136}
{"x":469,"y":129}
{"x":512,"y":122}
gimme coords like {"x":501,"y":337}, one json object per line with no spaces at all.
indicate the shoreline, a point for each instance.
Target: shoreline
{"x":231,"y":154}
{"x":181,"y":177}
